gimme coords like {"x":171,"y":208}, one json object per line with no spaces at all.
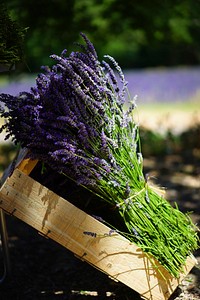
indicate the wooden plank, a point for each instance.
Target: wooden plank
{"x":61,"y":221}
{"x":27,"y":165}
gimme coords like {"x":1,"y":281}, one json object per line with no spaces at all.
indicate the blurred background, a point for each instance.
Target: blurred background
{"x":138,"y":34}
{"x":157,"y":44}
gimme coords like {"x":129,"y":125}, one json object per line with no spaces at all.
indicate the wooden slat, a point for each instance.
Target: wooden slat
{"x":27,"y":165}
{"x":61,"y":221}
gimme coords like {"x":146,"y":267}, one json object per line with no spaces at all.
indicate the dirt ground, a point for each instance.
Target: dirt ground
{"x":42,"y":269}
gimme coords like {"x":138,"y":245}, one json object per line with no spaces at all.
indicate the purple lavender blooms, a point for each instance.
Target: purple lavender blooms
{"x":69,"y":119}
{"x":74,"y":121}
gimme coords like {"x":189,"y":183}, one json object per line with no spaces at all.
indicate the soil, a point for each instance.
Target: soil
{"x":42,"y":269}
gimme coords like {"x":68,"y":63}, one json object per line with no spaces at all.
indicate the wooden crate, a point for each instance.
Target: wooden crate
{"x":58,"y":219}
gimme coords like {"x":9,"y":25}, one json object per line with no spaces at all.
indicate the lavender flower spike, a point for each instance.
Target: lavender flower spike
{"x":74,"y":121}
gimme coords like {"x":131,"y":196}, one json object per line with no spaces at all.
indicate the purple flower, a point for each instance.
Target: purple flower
{"x":135,"y":232}
{"x":70,"y":117}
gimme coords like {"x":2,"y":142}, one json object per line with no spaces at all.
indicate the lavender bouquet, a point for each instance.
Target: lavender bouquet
{"x":75,"y":121}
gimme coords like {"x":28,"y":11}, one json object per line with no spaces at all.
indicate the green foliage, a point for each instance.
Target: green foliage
{"x":11,"y":39}
{"x":152,"y":143}
{"x":8,"y":152}
{"x":156,"y":144}
{"x":137,"y":33}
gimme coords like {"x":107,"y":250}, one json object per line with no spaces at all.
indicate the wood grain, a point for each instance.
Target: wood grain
{"x":89,"y":239}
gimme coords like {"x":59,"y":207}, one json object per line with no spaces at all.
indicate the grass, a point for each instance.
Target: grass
{"x":163,"y":107}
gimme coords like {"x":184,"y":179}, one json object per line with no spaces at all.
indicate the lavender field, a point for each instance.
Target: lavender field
{"x":151,"y":85}
{"x":167,"y":98}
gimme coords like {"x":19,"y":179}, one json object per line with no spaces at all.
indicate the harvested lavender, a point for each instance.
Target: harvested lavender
{"x":75,"y":121}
